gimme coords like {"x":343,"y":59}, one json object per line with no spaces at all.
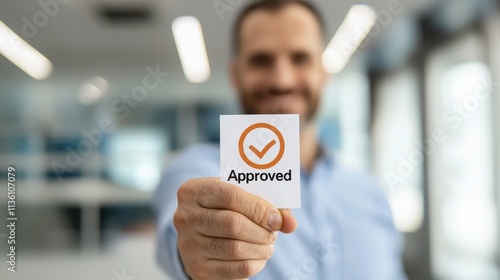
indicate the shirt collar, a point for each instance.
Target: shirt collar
{"x":325,"y":158}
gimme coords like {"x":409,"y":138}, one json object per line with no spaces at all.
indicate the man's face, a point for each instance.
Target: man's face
{"x":279,"y":69}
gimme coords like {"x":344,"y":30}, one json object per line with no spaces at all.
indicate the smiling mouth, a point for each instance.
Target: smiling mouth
{"x":282,"y":93}
{"x":283,"y":103}
{"x":277,"y":95}
{"x":284,"y":97}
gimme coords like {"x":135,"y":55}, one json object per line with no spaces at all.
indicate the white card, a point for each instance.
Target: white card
{"x":261,"y":154}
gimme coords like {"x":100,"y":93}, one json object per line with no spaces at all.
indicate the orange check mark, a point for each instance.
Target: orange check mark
{"x":261,"y":154}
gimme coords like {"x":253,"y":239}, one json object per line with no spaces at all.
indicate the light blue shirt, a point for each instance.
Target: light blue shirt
{"x":345,"y":229}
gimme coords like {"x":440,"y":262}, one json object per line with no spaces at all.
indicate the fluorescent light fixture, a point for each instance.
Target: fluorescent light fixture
{"x":191,"y":47}
{"x":23,"y":55}
{"x":357,"y":24}
{"x":93,"y":90}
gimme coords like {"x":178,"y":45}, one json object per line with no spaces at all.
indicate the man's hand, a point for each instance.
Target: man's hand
{"x":225,"y":232}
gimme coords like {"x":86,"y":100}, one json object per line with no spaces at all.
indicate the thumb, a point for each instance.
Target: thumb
{"x":289,"y":222}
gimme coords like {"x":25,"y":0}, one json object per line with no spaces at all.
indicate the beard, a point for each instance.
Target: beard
{"x":258,"y":102}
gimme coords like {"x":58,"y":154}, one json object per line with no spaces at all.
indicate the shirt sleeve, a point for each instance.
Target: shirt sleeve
{"x":194,"y":163}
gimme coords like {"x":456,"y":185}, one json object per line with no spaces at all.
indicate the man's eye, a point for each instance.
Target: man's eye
{"x":300,"y":58}
{"x":260,"y":60}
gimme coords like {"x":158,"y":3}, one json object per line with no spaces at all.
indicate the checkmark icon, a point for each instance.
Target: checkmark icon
{"x":263,"y":152}
{"x":280,"y":142}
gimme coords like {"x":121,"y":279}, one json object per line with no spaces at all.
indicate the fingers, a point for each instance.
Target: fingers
{"x":289,"y":221}
{"x":225,"y":232}
{"x":229,"y":250}
{"x":219,"y":195}
{"x":229,"y":224}
{"x":235,"y":269}
{"x":219,"y":258}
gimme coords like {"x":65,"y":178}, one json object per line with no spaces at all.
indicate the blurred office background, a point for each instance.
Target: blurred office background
{"x":417,"y":104}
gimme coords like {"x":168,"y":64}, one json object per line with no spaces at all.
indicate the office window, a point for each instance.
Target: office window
{"x":397,"y":147}
{"x":344,"y":118}
{"x":463,"y":220}
{"x":135,"y":157}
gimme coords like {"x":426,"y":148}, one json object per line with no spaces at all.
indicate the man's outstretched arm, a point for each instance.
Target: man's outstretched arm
{"x":220,"y":229}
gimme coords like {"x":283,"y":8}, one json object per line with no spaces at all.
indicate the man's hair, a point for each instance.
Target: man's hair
{"x":273,"y":6}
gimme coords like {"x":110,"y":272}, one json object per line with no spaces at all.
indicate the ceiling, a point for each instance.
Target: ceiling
{"x":82,"y":44}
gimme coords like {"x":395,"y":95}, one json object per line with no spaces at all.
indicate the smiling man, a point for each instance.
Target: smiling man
{"x":215,"y":230}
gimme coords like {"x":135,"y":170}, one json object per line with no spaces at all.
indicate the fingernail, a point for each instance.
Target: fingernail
{"x":271,"y":250}
{"x":274,"y":221}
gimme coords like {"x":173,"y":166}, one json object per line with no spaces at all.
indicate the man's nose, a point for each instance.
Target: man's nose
{"x":283,"y":76}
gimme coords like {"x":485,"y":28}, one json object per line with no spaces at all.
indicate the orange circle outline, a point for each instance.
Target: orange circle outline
{"x":280,"y":152}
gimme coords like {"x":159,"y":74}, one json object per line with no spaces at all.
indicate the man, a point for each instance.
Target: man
{"x":215,"y":230}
